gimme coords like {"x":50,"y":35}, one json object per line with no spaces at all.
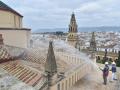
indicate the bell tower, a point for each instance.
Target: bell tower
{"x":72,"y":34}
{"x":92,"y":48}
{"x":93,"y":43}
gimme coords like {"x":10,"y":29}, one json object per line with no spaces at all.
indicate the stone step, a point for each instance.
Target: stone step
{"x":40,"y":83}
{"x":30,"y":77}
{"x":24,"y":74}
{"x":19,"y":72}
{"x":37,"y":81}
{"x":18,"y":69}
{"x":23,"y":71}
{"x":14,"y":70}
{"x":34,"y":81}
{"x":9,"y":68}
{"x":5,"y":67}
{"x":27,"y":77}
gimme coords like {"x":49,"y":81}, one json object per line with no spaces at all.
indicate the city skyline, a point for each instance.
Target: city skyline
{"x":56,"y":14}
{"x":59,"y":45}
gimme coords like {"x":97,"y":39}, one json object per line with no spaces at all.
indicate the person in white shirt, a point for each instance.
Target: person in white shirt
{"x":114,"y":70}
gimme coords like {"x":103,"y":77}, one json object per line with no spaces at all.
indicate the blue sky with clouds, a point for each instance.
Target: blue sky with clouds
{"x":56,"y":13}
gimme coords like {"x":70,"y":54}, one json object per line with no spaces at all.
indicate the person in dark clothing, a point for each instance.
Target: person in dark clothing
{"x":105,"y":72}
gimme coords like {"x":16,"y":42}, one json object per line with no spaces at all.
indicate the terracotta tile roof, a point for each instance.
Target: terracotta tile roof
{"x":3,"y":6}
{"x":4,"y":55}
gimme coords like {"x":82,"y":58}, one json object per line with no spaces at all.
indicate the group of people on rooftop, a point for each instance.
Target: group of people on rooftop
{"x":106,"y":70}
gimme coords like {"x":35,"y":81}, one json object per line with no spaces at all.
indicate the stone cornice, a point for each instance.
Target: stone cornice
{"x":26,"y":29}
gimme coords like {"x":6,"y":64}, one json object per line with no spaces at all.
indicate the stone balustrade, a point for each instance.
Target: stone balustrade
{"x":71,"y":59}
{"x":108,"y":50}
{"x":71,"y":78}
{"x":73,"y":75}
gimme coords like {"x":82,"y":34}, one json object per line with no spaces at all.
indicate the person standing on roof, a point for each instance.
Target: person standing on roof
{"x":105,"y":73}
{"x":114,"y":70}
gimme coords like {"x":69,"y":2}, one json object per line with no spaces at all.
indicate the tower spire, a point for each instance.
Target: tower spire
{"x":93,"y":47}
{"x":73,"y":24}
{"x":93,"y":36}
{"x":93,"y":42}
{"x":72,"y":35}
{"x":50,"y":65}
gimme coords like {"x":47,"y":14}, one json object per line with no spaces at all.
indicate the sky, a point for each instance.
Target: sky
{"x":40,"y":14}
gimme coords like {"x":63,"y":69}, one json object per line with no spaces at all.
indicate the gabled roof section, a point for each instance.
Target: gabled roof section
{"x":5,"y":7}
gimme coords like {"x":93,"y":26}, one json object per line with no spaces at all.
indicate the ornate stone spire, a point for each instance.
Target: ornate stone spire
{"x":50,"y":65}
{"x":93,"y":43}
{"x":73,"y":24}
{"x":1,"y":39}
{"x":72,"y":34}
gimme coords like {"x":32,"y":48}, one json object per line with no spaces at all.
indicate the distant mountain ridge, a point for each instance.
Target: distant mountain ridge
{"x":82,"y":29}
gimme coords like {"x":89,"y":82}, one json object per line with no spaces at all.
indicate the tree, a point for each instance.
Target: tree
{"x":105,"y":58}
{"x":98,"y":58}
{"x":59,"y":33}
{"x":79,"y":48}
{"x":118,"y":60}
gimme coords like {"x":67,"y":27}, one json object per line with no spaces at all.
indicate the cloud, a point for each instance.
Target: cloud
{"x":89,"y":7}
{"x":56,"y":13}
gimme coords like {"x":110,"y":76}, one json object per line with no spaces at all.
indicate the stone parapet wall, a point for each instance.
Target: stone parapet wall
{"x":109,"y":50}
{"x":70,"y":58}
{"x":15,"y":51}
{"x":71,"y":79}
{"x":73,"y":75}
{"x":18,"y":38}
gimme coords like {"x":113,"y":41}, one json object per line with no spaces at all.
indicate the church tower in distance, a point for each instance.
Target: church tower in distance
{"x":72,"y":34}
{"x":92,"y":48}
{"x":93,"y":43}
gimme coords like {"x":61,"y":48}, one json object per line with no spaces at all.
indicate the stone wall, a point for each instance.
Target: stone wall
{"x":75,"y":74}
{"x":10,"y":20}
{"x":18,"y":38}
